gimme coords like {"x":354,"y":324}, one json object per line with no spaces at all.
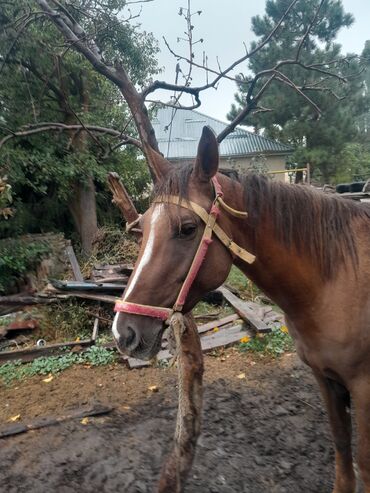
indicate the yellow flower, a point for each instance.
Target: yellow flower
{"x":245,"y":339}
{"x":284,"y":329}
{"x":216,"y":329}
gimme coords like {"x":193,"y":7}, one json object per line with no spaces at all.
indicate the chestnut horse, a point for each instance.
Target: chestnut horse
{"x":312,"y":259}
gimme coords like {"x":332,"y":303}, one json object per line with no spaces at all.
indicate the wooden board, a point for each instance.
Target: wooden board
{"x":224,"y":338}
{"x":244,"y":311}
{"x":217,"y":323}
{"x":27,"y":355}
{"x":74,"y":264}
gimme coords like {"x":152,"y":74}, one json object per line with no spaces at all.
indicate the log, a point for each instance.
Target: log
{"x":18,"y":428}
{"x":244,"y":311}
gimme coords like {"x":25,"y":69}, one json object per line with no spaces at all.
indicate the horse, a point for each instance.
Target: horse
{"x":307,"y":251}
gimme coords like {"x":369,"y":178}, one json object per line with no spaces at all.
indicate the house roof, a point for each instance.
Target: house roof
{"x":180,"y":140}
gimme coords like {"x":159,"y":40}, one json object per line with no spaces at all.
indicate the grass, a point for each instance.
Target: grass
{"x":94,"y":356}
{"x":273,"y":344}
{"x":204,"y":309}
{"x":241,"y":283}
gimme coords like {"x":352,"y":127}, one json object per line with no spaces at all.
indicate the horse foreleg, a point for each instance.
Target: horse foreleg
{"x":337,"y":400}
{"x":361,"y":397}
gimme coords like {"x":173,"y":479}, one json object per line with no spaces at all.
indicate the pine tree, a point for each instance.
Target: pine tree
{"x":318,"y":141}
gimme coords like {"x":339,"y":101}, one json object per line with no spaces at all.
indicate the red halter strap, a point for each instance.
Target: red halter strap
{"x":210,"y":227}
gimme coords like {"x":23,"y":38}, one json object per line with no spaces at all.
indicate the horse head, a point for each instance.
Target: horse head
{"x":172,"y":234}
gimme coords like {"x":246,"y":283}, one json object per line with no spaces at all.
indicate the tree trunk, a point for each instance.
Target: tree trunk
{"x":82,"y":206}
{"x":82,"y":203}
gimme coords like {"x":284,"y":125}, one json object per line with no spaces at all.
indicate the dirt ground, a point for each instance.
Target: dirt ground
{"x":266,"y":432}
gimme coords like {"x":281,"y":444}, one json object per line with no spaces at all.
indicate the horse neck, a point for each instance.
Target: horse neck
{"x":284,"y":275}
{"x":289,"y":278}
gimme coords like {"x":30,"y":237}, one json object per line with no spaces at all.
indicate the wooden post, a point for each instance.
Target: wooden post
{"x":123,"y":201}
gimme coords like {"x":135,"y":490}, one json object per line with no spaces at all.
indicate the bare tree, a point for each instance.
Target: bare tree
{"x":62,"y":15}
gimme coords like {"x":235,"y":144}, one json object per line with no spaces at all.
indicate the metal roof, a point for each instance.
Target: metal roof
{"x":179,"y":140}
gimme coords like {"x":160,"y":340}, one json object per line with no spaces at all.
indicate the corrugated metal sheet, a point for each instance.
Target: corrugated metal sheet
{"x":179,"y":140}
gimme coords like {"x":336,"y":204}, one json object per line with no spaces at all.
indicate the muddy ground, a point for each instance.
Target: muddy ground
{"x":266,"y":432}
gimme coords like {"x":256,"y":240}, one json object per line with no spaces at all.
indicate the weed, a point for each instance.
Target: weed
{"x":94,"y":356}
{"x":65,"y":320}
{"x":275,"y":343}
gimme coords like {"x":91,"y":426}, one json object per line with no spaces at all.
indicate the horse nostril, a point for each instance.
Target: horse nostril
{"x":131,"y":336}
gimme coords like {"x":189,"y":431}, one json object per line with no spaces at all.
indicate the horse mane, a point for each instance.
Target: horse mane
{"x":319,"y":226}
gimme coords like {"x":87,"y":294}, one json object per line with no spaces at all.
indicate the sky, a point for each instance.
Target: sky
{"x":225,"y":26}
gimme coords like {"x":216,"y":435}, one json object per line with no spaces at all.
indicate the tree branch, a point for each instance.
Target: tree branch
{"x":59,"y":127}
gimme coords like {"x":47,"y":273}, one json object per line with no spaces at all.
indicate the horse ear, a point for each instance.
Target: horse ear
{"x":159,"y":166}
{"x":206,"y":163}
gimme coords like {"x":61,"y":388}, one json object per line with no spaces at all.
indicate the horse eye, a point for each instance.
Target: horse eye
{"x":187,"y":230}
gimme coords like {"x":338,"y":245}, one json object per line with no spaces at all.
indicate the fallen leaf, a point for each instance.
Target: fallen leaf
{"x":245,"y":339}
{"x":78,"y":339}
{"x":85,"y":421}
{"x":15,"y":418}
{"x":48,"y":379}
{"x":284,"y":329}
{"x":241,"y":376}
{"x":153,"y":388}
{"x":126,"y":408}
{"x":216,"y":329}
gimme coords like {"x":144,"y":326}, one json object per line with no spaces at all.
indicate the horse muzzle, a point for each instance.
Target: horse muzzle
{"x":137,"y":336}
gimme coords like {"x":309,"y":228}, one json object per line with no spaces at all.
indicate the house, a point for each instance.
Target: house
{"x":239,"y":151}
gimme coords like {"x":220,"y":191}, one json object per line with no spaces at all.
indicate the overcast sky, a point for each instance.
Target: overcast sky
{"x":225,"y":25}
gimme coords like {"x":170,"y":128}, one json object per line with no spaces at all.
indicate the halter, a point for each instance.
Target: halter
{"x":211,"y":226}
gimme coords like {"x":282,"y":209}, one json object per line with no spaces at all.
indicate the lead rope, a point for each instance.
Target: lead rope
{"x":189,"y":412}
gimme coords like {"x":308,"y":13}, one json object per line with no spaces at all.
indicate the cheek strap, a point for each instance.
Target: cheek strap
{"x":211,"y":227}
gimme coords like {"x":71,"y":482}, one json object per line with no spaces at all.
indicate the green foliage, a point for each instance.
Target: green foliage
{"x":273,"y":344}
{"x":354,"y":162}
{"x":42,"y":81}
{"x":17,"y":258}
{"x":94,"y":356}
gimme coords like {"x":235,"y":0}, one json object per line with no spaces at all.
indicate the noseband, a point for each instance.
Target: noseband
{"x":211,"y":226}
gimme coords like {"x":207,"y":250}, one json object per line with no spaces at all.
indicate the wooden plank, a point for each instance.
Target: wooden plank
{"x":106,"y":298}
{"x":224,"y":338}
{"x":244,"y":311}
{"x":86,"y":286}
{"x":74,"y":264}
{"x":16,"y":429}
{"x":95,"y":329}
{"x":217,"y":323}
{"x":27,"y":355}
